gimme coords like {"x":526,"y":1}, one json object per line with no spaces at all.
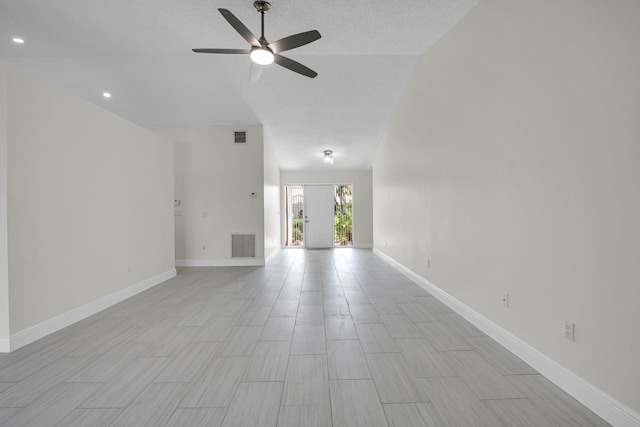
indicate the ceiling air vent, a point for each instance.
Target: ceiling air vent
{"x":240,"y":137}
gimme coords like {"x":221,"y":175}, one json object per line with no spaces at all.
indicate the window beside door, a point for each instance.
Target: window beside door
{"x":295,"y":215}
{"x":343,"y":216}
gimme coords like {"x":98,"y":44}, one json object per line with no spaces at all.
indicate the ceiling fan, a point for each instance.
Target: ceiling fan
{"x":262,"y":52}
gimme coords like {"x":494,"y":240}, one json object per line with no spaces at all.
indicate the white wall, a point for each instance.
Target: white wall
{"x":4,"y":255}
{"x":89,"y":203}
{"x":214,"y":179}
{"x":271,"y":202}
{"x":512,"y":164}
{"x":362,"y":198}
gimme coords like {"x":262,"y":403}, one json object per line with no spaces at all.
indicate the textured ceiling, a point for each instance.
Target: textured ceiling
{"x":140,"y":51}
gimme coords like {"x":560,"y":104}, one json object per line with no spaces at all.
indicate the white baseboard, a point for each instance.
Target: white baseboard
{"x":50,"y":326}
{"x":229,"y":262}
{"x":273,"y":254}
{"x":5,"y":344}
{"x":363,"y":246}
{"x":605,"y":406}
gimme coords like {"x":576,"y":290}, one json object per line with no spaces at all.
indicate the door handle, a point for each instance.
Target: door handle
{"x":306,"y":220}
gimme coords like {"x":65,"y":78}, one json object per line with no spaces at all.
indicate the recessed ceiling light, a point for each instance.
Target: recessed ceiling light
{"x":18,"y":40}
{"x":106,"y":94}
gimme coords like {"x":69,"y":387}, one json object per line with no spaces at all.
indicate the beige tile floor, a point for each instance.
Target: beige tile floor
{"x":315,"y":338}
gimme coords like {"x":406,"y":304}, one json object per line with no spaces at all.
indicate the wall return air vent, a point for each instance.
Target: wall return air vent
{"x":243,"y":246}
{"x":240,"y":137}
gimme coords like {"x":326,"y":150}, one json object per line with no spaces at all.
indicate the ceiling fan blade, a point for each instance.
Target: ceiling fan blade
{"x":255,"y":72}
{"x":294,"y":41}
{"x":294,"y":66}
{"x":234,"y":51}
{"x":239,"y":27}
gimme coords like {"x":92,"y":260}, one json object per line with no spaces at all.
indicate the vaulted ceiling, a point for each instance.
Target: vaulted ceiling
{"x":140,"y":52}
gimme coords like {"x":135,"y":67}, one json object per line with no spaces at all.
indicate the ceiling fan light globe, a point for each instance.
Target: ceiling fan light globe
{"x":262,"y":56}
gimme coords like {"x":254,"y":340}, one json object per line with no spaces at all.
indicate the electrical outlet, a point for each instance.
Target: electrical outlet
{"x":505,"y":300}
{"x":569,"y":330}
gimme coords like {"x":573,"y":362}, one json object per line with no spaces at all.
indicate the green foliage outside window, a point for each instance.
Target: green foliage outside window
{"x":343,"y":226}
{"x":296,"y":231}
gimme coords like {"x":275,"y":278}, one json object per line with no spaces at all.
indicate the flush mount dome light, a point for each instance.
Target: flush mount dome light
{"x":18,"y":40}
{"x":262,"y":56}
{"x":328,"y":157}
{"x":106,"y":94}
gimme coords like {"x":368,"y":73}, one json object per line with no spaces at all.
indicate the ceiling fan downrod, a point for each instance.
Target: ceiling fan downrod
{"x":262,"y":7}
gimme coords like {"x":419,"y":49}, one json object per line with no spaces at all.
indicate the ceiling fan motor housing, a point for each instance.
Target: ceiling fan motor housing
{"x":262,"y":6}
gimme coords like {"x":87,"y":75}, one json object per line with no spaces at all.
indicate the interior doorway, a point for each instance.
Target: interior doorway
{"x":319,"y":215}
